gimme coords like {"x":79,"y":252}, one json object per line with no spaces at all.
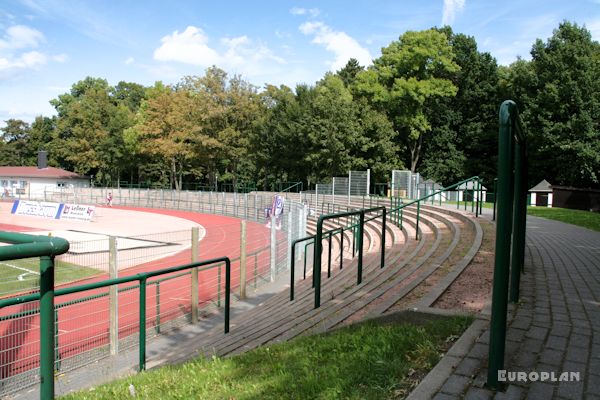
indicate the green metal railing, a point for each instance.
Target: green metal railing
{"x":396,"y":213}
{"x":359,"y":240}
{"x":27,"y":246}
{"x":510,"y":229}
{"x":47,"y":248}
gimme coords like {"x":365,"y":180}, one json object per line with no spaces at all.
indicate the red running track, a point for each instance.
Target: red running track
{"x":84,"y":326}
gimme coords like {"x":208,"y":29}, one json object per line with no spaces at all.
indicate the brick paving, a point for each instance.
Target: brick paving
{"x":554,"y":328}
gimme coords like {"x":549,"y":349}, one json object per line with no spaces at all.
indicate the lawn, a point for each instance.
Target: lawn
{"x":582,"y":218}
{"x":368,"y":361}
{"x":23,"y":275}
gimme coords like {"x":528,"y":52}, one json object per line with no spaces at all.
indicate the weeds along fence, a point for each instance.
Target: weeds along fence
{"x":101,"y":322}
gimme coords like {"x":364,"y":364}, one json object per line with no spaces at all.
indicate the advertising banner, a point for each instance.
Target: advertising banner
{"x":77,"y":211}
{"x":36,"y":209}
{"x":53,"y":210}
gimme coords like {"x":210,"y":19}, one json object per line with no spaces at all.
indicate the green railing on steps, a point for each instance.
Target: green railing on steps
{"x":395,"y":215}
{"x":510,"y":230}
{"x":47,"y":248}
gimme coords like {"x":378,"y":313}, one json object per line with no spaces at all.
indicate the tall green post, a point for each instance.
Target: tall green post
{"x":519,"y":225}
{"x":509,"y":157}
{"x":47,"y":327}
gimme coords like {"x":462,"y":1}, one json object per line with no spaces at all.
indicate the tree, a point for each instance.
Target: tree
{"x":349,"y":72}
{"x":410,"y":71}
{"x":15,"y":135}
{"x":89,"y":130}
{"x":559,"y":93}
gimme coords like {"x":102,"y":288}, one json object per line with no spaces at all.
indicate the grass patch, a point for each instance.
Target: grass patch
{"x":23,"y":275}
{"x":361,"y":362}
{"x":582,"y":218}
{"x":462,"y":204}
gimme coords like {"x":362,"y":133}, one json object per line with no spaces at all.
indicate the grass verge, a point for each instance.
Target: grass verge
{"x":582,"y":218}
{"x":367,"y":361}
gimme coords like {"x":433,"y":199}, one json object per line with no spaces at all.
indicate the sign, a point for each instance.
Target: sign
{"x":36,"y":209}
{"x":53,"y":210}
{"x":77,"y":211}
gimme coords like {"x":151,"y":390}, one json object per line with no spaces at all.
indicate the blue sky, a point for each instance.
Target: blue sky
{"x":47,"y":45}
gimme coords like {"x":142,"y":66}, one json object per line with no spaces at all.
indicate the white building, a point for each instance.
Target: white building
{"x":541,"y":194}
{"x":33,"y":182}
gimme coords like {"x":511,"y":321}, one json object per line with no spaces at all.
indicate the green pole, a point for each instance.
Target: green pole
{"x":417,"y":227}
{"x":318,"y":249}
{"x":518,"y":241}
{"x":158,"y":306}
{"x":359,"y":244}
{"x":47,"y":327}
{"x":342,"y":250}
{"x":476,"y":190}
{"x":502,"y":256}
{"x":383,"y":222}
{"x":142,"y":344}
{"x":329,"y":257}
{"x":227,"y":293}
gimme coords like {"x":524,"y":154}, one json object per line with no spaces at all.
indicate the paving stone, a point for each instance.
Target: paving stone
{"x":593,"y":384}
{"x":479,"y":394}
{"x":552,"y":357}
{"x":540,"y":391}
{"x":533,"y":345}
{"x":560,"y":330}
{"x":537,"y":332}
{"x":556,"y":342}
{"x":571,"y":390}
{"x":479,"y":351}
{"x":526,"y":360}
{"x":469,"y":367}
{"x":456,"y":385}
{"x":513,"y":392}
{"x":579,"y":354}
{"x":444,"y":396}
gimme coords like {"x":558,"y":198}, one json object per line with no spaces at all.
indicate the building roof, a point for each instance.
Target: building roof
{"x":543,"y":186}
{"x":35,"y":172}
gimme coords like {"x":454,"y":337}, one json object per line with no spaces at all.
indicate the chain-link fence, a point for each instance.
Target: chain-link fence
{"x":84,"y":319}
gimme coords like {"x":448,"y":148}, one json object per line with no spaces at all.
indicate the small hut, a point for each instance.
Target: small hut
{"x":541,"y":194}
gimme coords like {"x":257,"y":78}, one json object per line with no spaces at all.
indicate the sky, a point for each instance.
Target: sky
{"x":48,"y":45}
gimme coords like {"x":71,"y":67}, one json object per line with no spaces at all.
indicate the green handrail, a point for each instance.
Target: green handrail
{"x":45,"y":247}
{"x":319,"y":245}
{"x":510,"y":227}
{"x":47,"y":328}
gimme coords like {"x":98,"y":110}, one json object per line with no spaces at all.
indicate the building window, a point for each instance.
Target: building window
{"x":4,"y":183}
{"x":23,"y":184}
{"x":61,"y":184}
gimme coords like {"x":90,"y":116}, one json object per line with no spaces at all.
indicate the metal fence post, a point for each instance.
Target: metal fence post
{"x":361,"y":223}
{"x":243,"y":260}
{"x":273,"y":248}
{"x":142,"y":338}
{"x":194,"y":273}
{"x":520,"y":207}
{"x":47,"y":327}
{"x":503,"y":241}
{"x":113,"y":296}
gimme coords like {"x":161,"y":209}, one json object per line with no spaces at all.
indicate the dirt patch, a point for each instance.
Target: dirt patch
{"x":472,"y":289}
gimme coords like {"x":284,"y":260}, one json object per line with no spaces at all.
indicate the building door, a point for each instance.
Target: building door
{"x":541,"y":200}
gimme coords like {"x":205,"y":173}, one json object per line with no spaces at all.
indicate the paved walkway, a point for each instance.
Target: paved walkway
{"x":555,"y":328}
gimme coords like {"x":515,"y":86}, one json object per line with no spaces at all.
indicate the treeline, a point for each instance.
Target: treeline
{"x":429,"y":103}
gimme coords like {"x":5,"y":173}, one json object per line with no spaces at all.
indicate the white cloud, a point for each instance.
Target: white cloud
{"x":236,"y":54}
{"x":129,"y":61}
{"x":313,"y":12}
{"x":343,"y":46}
{"x":17,"y":52}
{"x":20,"y":37}
{"x":594,"y":28}
{"x":60,"y":58}
{"x":451,"y":9}
{"x":189,"y":47}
